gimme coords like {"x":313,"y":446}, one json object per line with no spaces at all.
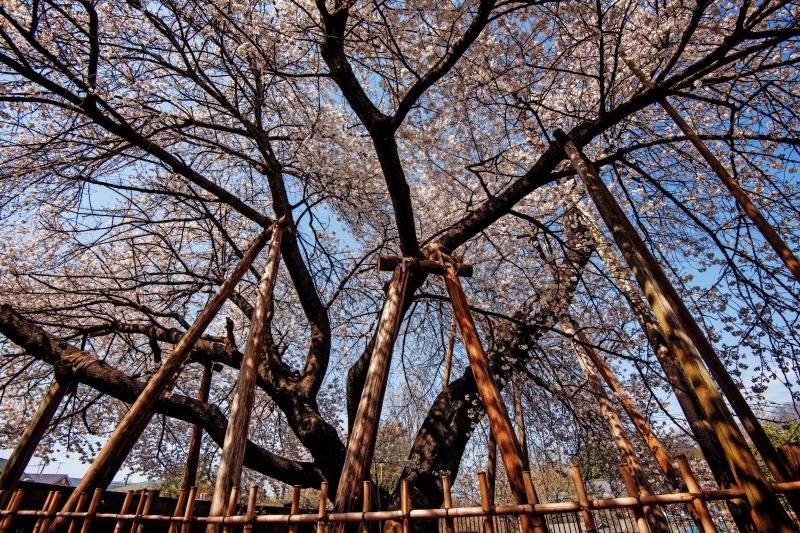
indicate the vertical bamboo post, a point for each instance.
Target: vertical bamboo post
{"x":73,"y":521}
{"x":499,"y":421}
{"x":323,"y":507}
{"x":196,"y":440}
{"x":178,"y":513}
{"x":230,"y":464}
{"x":361,"y":443}
{"x":537,"y":521}
{"x":189,"y":511}
{"x":742,"y":198}
{"x":231,"y":509}
{"x":143,"y":496}
{"x":677,"y":326}
{"x":633,"y":491}
{"x":33,"y":433}
{"x":296,"y":506}
{"x":486,"y":503}
{"x":45,"y":506}
{"x":583,"y":499}
{"x":126,"y":503}
{"x":51,"y":510}
{"x":250,"y":516}
{"x":449,"y":523}
{"x":700,"y":508}
{"x":130,"y":428}
{"x":405,"y":504}
{"x":13,"y":506}
{"x":152,"y":496}
{"x":92,"y":510}
{"x":366,"y":502}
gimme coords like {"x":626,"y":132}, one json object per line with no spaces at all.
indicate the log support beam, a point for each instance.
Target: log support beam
{"x":196,"y":440}
{"x":230,"y":465}
{"x":674,"y":318}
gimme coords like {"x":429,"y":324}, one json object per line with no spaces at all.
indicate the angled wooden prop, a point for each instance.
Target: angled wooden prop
{"x":130,"y":428}
{"x":770,"y":234}
{"x":230,"y":465}
{"x":361,"y":443}
{"x":671,"y":313}
{"x":34,"y":432}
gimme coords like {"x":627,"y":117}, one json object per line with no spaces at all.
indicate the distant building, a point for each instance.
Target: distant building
{"x":62,"y":480}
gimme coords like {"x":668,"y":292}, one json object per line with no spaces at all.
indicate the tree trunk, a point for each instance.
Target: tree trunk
{"x":230,"y":465}
{"x":130,"y":428}
{"x":767,"y":511}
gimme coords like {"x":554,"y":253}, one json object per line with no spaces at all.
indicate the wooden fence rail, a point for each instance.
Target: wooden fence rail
{"x":183,"y":519}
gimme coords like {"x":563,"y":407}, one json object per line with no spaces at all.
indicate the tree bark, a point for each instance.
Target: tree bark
{"x":766,"y":509}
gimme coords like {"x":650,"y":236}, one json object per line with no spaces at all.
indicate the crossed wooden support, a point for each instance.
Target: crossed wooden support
{"x":361,"y":444}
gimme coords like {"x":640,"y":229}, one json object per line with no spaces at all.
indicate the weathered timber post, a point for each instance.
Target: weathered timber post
{"x":624,"y":446}
{"x":193,"y":455}
{"x":230,"y":464}
{"x":448,"y":355}
{"x":766,"y":510}
{"x":644,"y":429}
{"x":742,"y":198}
{"x":692,"y":410}
{"x":491,"y":465}
{"x":33,"y":433}
{"x":130,"y":428}
{"x":740,"y":406}
{"x":583,"y":500}
{"x":361,"y":444}
{"x":519,"y":418}
{"x":499,"y":421}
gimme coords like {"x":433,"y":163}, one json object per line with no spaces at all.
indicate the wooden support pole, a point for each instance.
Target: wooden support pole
{"x":633,"y":491}
{"x":231,"y":509}
{"x":152,"y":496}
{"x":448,"y":355}
{"x":230,"y":464}
{"x":519,"y":416}
{"x":608,"y":411}
{"x":695,"y":416}
{"x":589,"y":525}
{"x":92,"y":510}
{"x":644,"y":429}
{"x":33,"y":433}
{"x":323,"y":507}
{"x":38,"y":525}
{"x":296,"y":505}
{"x":73,"y":522}
{"x":51,"y":510}
{"x":491,"y":465}
{"x":126,"y":503}
{"x":486,"y":503}
{"x":499,"y":421}
{"x":130,"y":428}
{"x":387,"y":263}
{"x":13,"y":506}
{"x":405,"y":504}
{"x":250,"y":515}
{"x":790,"y":454}
{"x":143,"y":496}
{"x":361,"y":443}
{"x":767,"y":512}
{"x":173,"y":526}
{"x":449,"y":523}
{"x":742,"y":198}
{"x":196,"y":440}
{"x":740,"y":406}
{"x":366,"y":503}
{"x":700,"y":509}
{"x":189,"y":511}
